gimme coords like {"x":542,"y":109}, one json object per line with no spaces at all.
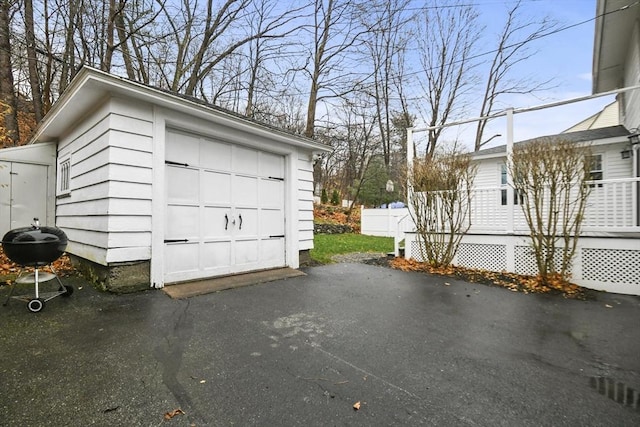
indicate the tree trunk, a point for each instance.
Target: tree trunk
{"x":9,"y":103}
{"x":34,"y":79}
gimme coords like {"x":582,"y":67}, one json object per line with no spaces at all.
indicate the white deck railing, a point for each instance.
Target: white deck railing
{"x":612,"y":206}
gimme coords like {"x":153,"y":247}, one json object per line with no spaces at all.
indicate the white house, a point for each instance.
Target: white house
{"x":608,"y":256}
{"x":154,"y":188}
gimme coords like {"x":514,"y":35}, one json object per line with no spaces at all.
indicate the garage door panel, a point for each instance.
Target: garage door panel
{"x":245,"y":160}
{"x":215,"y":155}
{"x":271,"y":165}
{"x":271,"y":249}
{"x":245,"y":191}
{"x":216,"y":255}
{"x":271,"y":193}
{"x":214,"y":223}
{"x":181,"y":257}
{"x":182,"y":185}
{"x":216,"y":188}
{"x":271,"y":223}
{"x":179,"y":223}
{"x":246,"y":252}
{"x":182,"y":148}
{"x":249,"y":226}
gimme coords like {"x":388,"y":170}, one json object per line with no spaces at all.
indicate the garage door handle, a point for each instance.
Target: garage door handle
{"x":226,"y":221}
{"x":240,"y":227}
{"x":277,"y":236}
{"x":176,"y":240}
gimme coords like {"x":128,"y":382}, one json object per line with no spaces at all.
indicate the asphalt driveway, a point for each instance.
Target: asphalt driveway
{"x":411,"y":348}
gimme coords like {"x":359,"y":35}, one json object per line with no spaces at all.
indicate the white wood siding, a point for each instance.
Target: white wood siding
{"x":488,"y":172}
{"x":614,"y":166}
{"x":305,"y":201}
{"x":631,"y":105}
{"x":107,"y":215}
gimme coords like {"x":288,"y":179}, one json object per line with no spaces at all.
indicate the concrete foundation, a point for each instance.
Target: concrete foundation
{"x":117,"y":278}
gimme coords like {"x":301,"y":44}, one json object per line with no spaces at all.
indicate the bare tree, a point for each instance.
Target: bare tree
{"x":34,"y":78}
{"x":440,"y":197}
{"x":513,"y":48}
{"x":446,"y":46}
{"x":8,"y":100}
{"x":334,"y":33}
{"x":386,"y":44}
{"x":264,"y":53}
{"x":72,"y":21}
{"x":549,"y":176}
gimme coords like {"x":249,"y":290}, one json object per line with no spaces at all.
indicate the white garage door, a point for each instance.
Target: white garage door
{"x":225,"y":208}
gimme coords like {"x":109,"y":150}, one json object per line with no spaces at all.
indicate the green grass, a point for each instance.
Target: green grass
{"x":328,"y":245}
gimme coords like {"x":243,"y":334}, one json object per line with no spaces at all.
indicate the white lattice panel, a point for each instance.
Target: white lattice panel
{"x":611,"y":265}
{"x":525,"y":261}
{"x":483,"y":256}
{"x":416,"y":253}
{"x":607,"y":264}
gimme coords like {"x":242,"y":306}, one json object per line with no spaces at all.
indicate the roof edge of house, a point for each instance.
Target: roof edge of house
{"x":102,"y":81}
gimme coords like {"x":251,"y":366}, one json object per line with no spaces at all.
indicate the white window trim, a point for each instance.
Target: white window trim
{"x":63,"y":185}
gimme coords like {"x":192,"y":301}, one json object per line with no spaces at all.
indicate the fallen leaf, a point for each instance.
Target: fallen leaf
{"x":173,"y":413}
{"x":608,"y":306}
{"x":356,"y":405}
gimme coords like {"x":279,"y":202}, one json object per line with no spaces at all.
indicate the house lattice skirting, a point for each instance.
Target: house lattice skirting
{"x":609,"y":264}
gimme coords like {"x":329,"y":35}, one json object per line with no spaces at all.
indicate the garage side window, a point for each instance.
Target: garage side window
{"x":64,"y":176}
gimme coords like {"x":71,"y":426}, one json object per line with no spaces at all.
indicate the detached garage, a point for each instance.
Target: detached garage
{"x":154,"y":188}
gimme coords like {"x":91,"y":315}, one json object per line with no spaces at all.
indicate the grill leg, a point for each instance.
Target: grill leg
{"x":55,"y":273}
{"x":36,"y":284}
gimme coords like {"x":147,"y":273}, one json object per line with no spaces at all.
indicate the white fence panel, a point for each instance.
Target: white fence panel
{"x":382,"y":222}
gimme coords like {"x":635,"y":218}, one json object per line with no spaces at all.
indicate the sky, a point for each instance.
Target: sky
{"x":565,"y":57}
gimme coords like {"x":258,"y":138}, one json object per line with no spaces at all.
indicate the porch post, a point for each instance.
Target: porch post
{"x":410,"y":155}
{"x":510,"y":205}
{"x":635,"y":192}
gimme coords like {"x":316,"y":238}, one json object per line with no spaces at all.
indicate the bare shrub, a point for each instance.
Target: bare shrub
{"x":549,"y":177}
{"x":440,"y":196}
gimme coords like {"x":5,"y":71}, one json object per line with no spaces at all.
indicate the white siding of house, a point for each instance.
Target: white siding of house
{"x":488,"y":213}
{"x":107,"y":214}
{"x":631,"y":105}
{"x":488,"y":173}
{"x":305,"y":201}
{"x":614,"y":166}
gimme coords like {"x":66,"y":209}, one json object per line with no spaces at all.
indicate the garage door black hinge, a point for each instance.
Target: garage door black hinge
{"x":169,"y":162}
{"x":176,"y":240}
{"x":276,"y":178}
{"x":276,"y":236}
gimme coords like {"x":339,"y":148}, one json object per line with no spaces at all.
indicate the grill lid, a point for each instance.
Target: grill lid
{"x":34,"y":246}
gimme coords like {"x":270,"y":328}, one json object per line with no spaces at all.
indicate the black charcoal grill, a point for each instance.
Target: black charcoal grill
{"x":36,"y":247}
